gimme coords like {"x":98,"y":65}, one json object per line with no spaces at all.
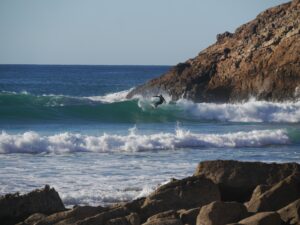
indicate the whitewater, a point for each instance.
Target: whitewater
{"x":72,"y":127}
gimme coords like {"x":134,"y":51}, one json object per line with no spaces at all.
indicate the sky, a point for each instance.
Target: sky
{"x":117,"y":32}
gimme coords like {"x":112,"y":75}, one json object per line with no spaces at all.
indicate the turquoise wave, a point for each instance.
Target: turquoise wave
{"x":18,"y":107}
{"x":114,"y":108}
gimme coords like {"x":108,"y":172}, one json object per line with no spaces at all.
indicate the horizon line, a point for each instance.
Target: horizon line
{"x":42,"y":64}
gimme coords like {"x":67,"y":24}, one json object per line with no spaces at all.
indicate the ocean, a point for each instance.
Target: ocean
{"x":71,"y":127}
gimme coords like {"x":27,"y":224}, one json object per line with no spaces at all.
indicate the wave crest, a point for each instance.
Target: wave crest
{"x":32,"y":142}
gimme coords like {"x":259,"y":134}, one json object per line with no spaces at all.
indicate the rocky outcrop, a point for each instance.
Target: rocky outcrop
{"x":278,"y":196}
{"x":263,"y":218}
{"x":188,"y":193}
{"x":291,"y":213}
{"x":237,"y":180}
{"x":260,"y":59}
{"x":190,"y":201}
{"x":220,"y":213}
{"x":15,"y":207}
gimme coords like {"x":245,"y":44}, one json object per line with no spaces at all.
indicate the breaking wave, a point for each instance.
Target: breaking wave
{"x":114,"y":107}
{"x":32,"y":142}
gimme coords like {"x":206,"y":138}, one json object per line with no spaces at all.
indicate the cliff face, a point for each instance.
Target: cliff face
{"x":261,"y":59}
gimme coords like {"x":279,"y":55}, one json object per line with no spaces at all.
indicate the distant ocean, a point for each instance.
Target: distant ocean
{"x":72,"y":127}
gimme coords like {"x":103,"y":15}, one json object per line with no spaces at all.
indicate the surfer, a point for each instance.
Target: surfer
{"x":161,"y":100}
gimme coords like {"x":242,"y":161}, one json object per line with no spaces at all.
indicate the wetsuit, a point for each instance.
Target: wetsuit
{"x":161,"y":100}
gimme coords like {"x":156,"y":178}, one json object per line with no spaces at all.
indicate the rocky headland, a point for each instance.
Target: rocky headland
{"x":220,"y":192}
{"x":260,"y":59}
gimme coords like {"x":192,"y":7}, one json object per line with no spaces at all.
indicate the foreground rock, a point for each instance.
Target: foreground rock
{"x":15,"y":207}
{"x":278,"y":196}
{"x":190,"y":201}
{"x":291,"y":213}
{"x":263,"y":218}
{"x":220,"y":213}
{"x":188,"y":193}
{"x":237,"y":180}
{"x":261,"y":59}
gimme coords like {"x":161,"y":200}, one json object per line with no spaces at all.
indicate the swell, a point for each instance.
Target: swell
{"x":25,"y":107}
{"x":33,"y":142}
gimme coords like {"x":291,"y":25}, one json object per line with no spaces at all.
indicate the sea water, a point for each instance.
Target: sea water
{"x":73,"y":128}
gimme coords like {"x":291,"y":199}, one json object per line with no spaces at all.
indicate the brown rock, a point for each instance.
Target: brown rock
{"x":291,"y":213}
{"x":280,"y":195}
{"x":71,"y":216}
{"x":34,"y":218}
{"x":15,"y":208}
{"x":132,"y":219}
{"x":188,"y":193}
{"x":171,"y":214}
{"x":237,"y":180}
{"x":263,"y":62}
{"x":221,"y":213}
{"x":263,"y":218}
{"x":164,"y":221}
{"x":104,"y":217}
{"x":189,"y":216}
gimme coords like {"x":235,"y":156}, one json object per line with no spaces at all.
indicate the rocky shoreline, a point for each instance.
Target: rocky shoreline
{"x":260,"y":59}
{"x":219,"y":192}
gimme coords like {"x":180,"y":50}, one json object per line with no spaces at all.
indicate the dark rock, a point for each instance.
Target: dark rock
{"x":188,"y":193}
{"x":237,"y":180}
{"x":71,"y":216}
{"x":132,"y":219}
{"x":171,"y":214}
{"x":221,"y":37}
{"x":220,"y":213}
{"x":164,"y":221}
{"x":280,"y":195}
{"x":34,"y":218}
{"x":290,"y":214}
{"x":16,"y":208}
{"x":263,"y":218}
{"x":266,"y":49}
{"x":104,"y":217}
{"x":189,"y":216}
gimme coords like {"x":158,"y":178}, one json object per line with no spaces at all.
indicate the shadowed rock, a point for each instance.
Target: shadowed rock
{"x":15,"y":207}
{"x":188,"y":193}
{"x":278,"y":196}
{"x":220,"y":213}
{"x":263,"y":218}
{"x":260,"y":59}
{"x":237,"y":180}
{"x":291,"y":213}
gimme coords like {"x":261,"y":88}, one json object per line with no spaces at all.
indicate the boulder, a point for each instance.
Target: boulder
{"x":221,"y":213}
{"x":34,"y":218}
{"x":278,"y":196}
{"x":188,"y":193}
{"x":104,"y":217}
{"x":290,"y":214}
{"x":261,"y":59}
{"x":164,"y":221}
{"x":132,"y":219}
{"x":189,"y":216}
{"x":171,"y":214}
{"x":71,"y":216}
{"x":237,"y":180}
{"x":263,"y":218}
{"x":15,"y":208}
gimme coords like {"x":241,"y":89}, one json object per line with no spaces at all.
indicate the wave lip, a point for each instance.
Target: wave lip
{"x":32,"y":142}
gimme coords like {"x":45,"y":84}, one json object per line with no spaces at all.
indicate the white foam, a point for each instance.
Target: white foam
{"x":251,"y":111}
{"x":111,"y":97}
{"x":32,"y":142}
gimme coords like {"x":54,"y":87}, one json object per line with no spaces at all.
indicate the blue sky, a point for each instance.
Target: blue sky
{"x":116,"y":32}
